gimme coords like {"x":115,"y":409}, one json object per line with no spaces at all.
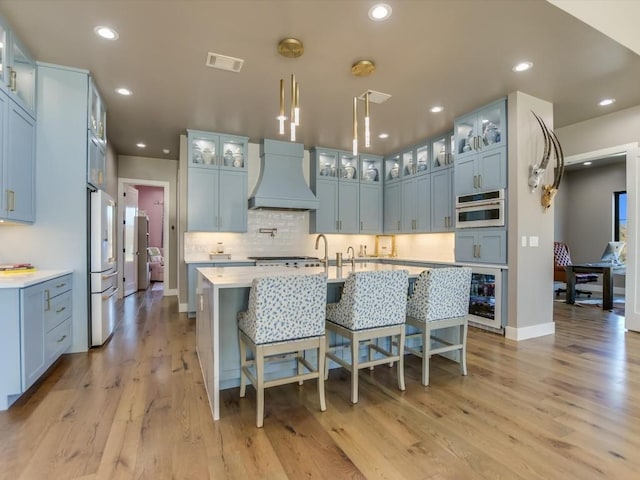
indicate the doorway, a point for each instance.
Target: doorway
{"x":123,"y":184}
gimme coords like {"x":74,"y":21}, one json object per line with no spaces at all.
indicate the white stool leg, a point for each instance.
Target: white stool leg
{"x":426,"y":347}
{"x":300,"y":367}
{"x":355,"y":344}
{"x":325,"y":358}
{"x":243,"y":363}
{"x":259,"y":386}
{"x":401,"y":360}
{"x":321,"y":366}
{"x":463,"y":352}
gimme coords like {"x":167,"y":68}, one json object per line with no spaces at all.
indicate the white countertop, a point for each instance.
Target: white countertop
{"x":243,"y":276}
{"x":21,"y":280}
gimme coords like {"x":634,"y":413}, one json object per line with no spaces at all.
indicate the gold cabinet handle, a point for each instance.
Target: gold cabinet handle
{"x":11,"y":201}
{"x":13,"y":79}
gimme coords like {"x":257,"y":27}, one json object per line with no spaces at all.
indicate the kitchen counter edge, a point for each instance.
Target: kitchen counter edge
{"x":22,"y":280}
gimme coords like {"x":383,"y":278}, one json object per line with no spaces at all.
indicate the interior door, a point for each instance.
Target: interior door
{"x":130,"y":264}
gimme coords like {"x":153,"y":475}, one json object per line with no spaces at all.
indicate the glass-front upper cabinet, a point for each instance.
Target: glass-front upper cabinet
{"x":392,"y":166}
{"x":370,"y":168}
{"x":441,"y":151}
{"x":408,"y":163}
{"x":326,"y":163}
{"x":422,"y":158}
{"x":348,"y":166}
{"x":22,"y":74}
{"x":208,"y":149}
{"x":97,"y":113}
{"x":3,"y":53}
{"x":483,"y":129}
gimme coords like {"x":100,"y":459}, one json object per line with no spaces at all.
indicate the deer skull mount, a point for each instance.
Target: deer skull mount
{"x":537,"y":171}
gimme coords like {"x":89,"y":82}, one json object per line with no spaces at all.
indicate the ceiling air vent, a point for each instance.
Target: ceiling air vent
{"x":223,"y":62}
{"x":375,"y":97}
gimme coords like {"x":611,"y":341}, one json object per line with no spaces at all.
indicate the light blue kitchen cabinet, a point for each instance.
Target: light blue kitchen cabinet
{"x":482,"y":130}
{"x":442,"y":200}
{"x":371,"y":193}
{"x":481,"y":245}
{"x":416,"y":204}
{"x":442,"y":151}
{"x":216,"y":200}
{"x":97,"y":163}
{"x":17,"y":161}
{"x":217,"y":150}
{"x":17,"y":69}
{"x":334,"y":179}
{"x":36,"y":331}
{"x":393,"y":207}
{"x":481,"y":172}
{"x":216,"y":182}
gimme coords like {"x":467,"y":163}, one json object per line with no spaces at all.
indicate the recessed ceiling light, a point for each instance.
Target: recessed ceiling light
{"x":383,"y":136}
{"x":106,"y":32}
{"x":141,"y":145}
{"x":607,"y":101}
{"x":379,"y":12}
{"x":124,"y":91}
{"x":436,"y":109}
{"x":587,"y":163}
{"x":522,"y":66}
{"x":166,"y":151}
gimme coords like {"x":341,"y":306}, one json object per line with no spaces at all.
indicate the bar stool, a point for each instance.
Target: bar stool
{"x":440,"y":300}
{"x":286,"y":315}
{"x":373,"y":305}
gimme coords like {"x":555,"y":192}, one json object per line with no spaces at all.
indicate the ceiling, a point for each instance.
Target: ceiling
{"x":457,"y":54}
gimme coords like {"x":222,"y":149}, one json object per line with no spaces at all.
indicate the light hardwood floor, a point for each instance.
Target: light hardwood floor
{"x":557,"y":407}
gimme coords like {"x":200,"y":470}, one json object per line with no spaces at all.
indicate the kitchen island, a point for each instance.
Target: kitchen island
{"x":222,"y":292}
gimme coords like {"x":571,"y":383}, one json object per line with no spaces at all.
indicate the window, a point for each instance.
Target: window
{"x":620,"y":221}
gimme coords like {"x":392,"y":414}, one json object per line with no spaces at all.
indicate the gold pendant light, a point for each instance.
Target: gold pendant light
{"x":290,"y":48}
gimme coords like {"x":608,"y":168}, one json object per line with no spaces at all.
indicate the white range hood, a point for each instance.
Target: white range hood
{"x":281,"y":184}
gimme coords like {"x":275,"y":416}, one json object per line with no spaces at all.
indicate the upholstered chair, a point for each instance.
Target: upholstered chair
{"x":285,"y":315}
{"x":440,"y":300}
{"x":372,"y":306}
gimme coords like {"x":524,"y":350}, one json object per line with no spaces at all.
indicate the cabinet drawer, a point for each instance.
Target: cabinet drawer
{"x":57,"y":286}
{"x":57,"y":341}
{"x":56,"y":310}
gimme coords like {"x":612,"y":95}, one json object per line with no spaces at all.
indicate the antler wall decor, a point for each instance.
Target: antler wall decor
{"x":537,"y":170}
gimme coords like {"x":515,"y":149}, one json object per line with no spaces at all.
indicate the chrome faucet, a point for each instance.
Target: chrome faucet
{"x":352,"y":258}
{"x":324,"y":260}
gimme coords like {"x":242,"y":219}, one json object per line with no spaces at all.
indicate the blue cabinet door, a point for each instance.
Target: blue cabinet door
{"x":325,"y":218}
{"x":492,"y":169}
{"x":233,"y":200}
{"x":441,"y":201}
{"x":392,"y":207}
{"x":409,"y":207}
{"x":202,"y":193}
{"x":20,"y":164}
{"x":466,"y":180}
{"x":424,"y":202}
{"x":481,"y":245}
{"x":370,"y":208}
{"x":348,"y":206}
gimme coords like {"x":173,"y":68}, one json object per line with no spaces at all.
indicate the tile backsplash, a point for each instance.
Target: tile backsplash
{"x":293,"y":238}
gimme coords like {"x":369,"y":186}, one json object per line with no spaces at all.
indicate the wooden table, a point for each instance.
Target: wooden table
{"x":606,"y":269}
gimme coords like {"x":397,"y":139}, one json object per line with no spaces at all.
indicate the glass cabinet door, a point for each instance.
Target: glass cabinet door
{"x":327,"y":164}
{"x":422,"y":157}
{"x":441,"y":151}
{"x":203,"y":150}
{"x":392,"y":168}
{"x":233,"y":152}
{"x":370,"y":166}
{"x":348,"y":167}
{"x":491,"y":122}
{"x":3,"y":54}
{"x":22,"y":74}
{"x":408,"y":162}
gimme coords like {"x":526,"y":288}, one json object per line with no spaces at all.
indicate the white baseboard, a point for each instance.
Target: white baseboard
{"x":170,"y":292}
{"x":183,"y":307}
{"x":524,"y":333}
